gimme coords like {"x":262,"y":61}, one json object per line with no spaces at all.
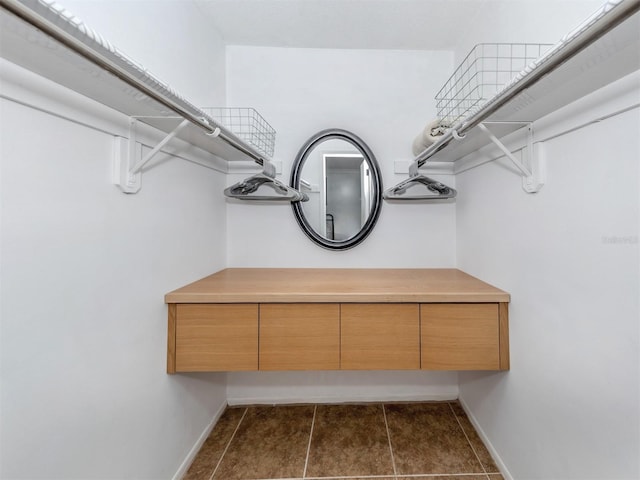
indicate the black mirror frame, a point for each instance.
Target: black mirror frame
{"x":329,"y":134}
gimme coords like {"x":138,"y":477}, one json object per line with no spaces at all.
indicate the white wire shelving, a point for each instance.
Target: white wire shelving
{"x":601,"y":50}
{"x":604,"y":48}
{"x":44,"y":38}
{"x":486,"y":69}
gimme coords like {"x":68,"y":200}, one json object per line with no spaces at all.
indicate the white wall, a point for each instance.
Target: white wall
{"x":384,"y":97}
{"x":170,"y":38}
{"x":569,"y":407}
{"x":543,"y":21}
{"x":84,"y":268}
{"x":250,"y":388}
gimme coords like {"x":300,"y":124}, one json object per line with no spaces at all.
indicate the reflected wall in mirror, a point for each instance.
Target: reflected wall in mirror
{"x":341,"y":177}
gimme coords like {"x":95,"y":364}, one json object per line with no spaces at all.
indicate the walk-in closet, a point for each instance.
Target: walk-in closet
{"x":320,"y":239}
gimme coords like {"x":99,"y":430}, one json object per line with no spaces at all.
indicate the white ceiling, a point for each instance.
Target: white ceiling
{"x":393,"y":24}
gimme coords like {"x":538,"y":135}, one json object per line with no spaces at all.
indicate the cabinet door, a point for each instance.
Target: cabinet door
{"x":216,"y":337}
{"x":299,"y":337}
{"x":460,"y":336}
{"x":380,"y":336}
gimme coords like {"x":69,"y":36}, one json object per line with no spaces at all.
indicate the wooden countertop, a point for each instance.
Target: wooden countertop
{"x":336,"y":285}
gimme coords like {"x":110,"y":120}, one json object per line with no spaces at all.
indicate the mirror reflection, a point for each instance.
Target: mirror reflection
{"x":342,"y":181}
{"x":337,"y":180}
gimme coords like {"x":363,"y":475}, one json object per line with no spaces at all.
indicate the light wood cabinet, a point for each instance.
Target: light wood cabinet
{"x":299,"y":337}
{"x":216,"y":337}
{"x":460,"y":336}
{"x":380,"y":337}
{"x":338,"y":319}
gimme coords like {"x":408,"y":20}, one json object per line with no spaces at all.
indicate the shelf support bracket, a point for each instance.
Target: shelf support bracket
{"x":143,"y":161}
{"x":128,"y":160}
{"x":532,"y":170}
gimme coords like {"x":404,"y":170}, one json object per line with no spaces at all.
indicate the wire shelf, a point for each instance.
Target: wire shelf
{"x":482,"y":74}
{"x":248,"y":125}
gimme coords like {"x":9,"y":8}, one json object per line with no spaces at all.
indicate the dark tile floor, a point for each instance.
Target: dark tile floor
{"x":398,"y":441}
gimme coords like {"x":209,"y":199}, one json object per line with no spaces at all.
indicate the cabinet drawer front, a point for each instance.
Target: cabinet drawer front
{"x":299,"y":337}
{"x":380,"y":337}
{"x":216,"y":337}
{"x":460,"y":336}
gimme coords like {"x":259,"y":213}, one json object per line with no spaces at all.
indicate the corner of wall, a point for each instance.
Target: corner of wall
{"x":486,"y":440}
{"x":184,"y":467}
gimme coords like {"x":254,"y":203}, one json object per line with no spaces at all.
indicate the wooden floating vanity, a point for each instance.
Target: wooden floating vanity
{"x":337,"y":319}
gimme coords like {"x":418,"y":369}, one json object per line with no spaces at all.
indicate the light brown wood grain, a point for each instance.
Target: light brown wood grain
{"x":460,"y":336}
{"x":380,"y":336}
{"x":171,"y":339}
{"x":214,"y":326}
{"x":216,"y":337}
{"x":336,"y":285}
{"x":504,"y":336}
{"x":299,"y":337}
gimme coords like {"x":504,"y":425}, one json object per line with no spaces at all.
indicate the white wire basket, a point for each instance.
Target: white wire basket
{"x":482,"y":74}
{"x":248,"y":125}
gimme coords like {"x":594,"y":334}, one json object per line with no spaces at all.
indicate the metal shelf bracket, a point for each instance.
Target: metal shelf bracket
{"x":128,"y":160}
{"x":531,"y":165}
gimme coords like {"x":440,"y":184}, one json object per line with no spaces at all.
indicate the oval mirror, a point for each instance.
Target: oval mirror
{"x":342,"y":179}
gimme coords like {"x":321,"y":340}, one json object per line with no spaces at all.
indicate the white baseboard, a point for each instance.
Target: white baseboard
{"x":494,"y":453}
{"x":289,"y":400}
{"x":198,"y":445}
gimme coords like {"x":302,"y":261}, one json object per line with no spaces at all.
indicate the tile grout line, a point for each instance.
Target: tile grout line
{"x":228,"y":444}
{"x":469,"y":441}
{"x":393,"y":460}
{"x":306,"y":461}
{"x":347,"y":477}
{"x":351,"y":477}
{"x":418,"y":476}
{"x":395,"y":474}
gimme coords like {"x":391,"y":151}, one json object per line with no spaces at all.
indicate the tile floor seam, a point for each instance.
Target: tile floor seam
{"x":347,"y":477}
{"x":356,"y":477}
{"x":228,"y":444}
{"x":306,"y":461}
{"x":374,"y":477}
{"x":393,"y":460}
{"x":486,"y":474}
{"x":468,"y":441}
{"x":437,"y":475}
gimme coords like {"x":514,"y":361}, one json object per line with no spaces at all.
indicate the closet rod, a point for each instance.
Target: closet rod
{"x":608,"y":21}
{"x":30,"y":16}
